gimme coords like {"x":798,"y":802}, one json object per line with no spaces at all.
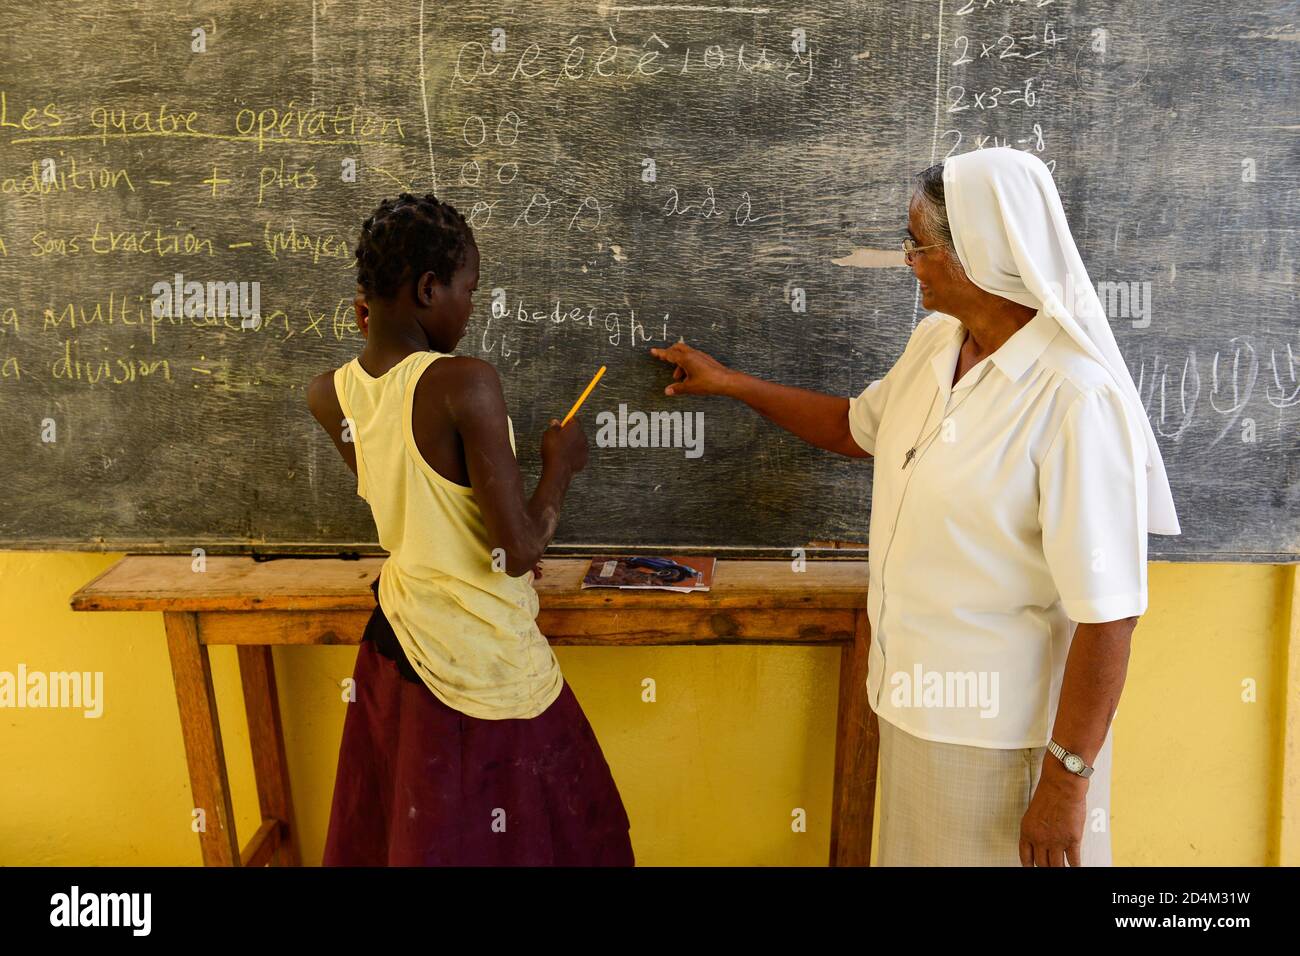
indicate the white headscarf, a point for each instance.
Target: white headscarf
{"x":1010,"y":233}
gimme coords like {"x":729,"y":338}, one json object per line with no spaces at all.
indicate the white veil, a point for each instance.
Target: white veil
{"x":1010,"y":233}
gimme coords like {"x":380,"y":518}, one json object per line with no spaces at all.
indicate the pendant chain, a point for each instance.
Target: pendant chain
{"x":911,"y":452}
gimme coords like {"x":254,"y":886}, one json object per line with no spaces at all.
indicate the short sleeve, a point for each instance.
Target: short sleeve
{"x":865,"y":411}
{"x":1092,"y":510}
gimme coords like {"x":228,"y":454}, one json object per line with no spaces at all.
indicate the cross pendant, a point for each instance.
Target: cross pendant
{"x":908,"y":457}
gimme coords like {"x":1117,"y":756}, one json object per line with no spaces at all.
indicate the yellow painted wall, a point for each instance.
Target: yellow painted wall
{"x":710,"y":773}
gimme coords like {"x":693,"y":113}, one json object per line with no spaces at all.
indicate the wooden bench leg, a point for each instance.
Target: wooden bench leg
{"x":857,"y":741}
{"x":201,"y":731}
{"x":266,"y":737}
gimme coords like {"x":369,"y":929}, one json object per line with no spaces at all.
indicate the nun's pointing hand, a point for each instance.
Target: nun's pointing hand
{"x":697,"y":373}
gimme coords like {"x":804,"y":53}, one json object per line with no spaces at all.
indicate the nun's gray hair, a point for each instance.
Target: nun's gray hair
{"x":934,"y":213}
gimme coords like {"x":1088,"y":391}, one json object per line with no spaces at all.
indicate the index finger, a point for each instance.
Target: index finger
{"x":673,"y":352}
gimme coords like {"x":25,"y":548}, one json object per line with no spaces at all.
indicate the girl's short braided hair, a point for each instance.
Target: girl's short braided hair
{"x":407,"y":237}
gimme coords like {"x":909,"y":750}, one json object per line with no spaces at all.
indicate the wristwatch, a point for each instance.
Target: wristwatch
{"x":1073,"y":762}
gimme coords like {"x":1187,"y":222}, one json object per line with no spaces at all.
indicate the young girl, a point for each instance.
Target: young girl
{"x":465,"y":745}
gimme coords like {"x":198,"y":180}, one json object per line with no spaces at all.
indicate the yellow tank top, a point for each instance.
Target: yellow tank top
{"x":470,"y":632}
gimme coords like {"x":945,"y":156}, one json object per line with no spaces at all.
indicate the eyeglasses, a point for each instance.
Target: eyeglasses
{"x":910,"y":248}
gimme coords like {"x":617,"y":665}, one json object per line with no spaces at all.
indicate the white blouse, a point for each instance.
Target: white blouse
{"x":1021,"y":512}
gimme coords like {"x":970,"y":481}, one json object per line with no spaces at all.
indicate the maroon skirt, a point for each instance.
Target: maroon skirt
{"x":421,"y":784}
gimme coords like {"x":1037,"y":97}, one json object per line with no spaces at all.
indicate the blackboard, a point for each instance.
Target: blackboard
{"x":734,"y":174}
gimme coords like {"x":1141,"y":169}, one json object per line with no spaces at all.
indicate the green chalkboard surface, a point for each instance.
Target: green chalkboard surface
{"x":737,"y":175}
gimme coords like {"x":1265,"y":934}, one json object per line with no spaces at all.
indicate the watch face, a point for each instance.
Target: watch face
{"x":1073,"y":763}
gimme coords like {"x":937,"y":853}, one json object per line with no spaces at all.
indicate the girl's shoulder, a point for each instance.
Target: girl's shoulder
{"x":322,"y":398}
{"x":462,"y":373}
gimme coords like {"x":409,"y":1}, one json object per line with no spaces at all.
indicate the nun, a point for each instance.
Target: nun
{"x":1016,"y":478}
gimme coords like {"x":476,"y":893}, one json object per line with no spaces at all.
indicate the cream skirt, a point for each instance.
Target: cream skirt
{"x":952,"y":805}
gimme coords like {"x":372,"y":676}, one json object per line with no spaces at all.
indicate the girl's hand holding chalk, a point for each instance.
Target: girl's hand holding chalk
{"x":564,"y":446}
{"x":568,"y":446}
